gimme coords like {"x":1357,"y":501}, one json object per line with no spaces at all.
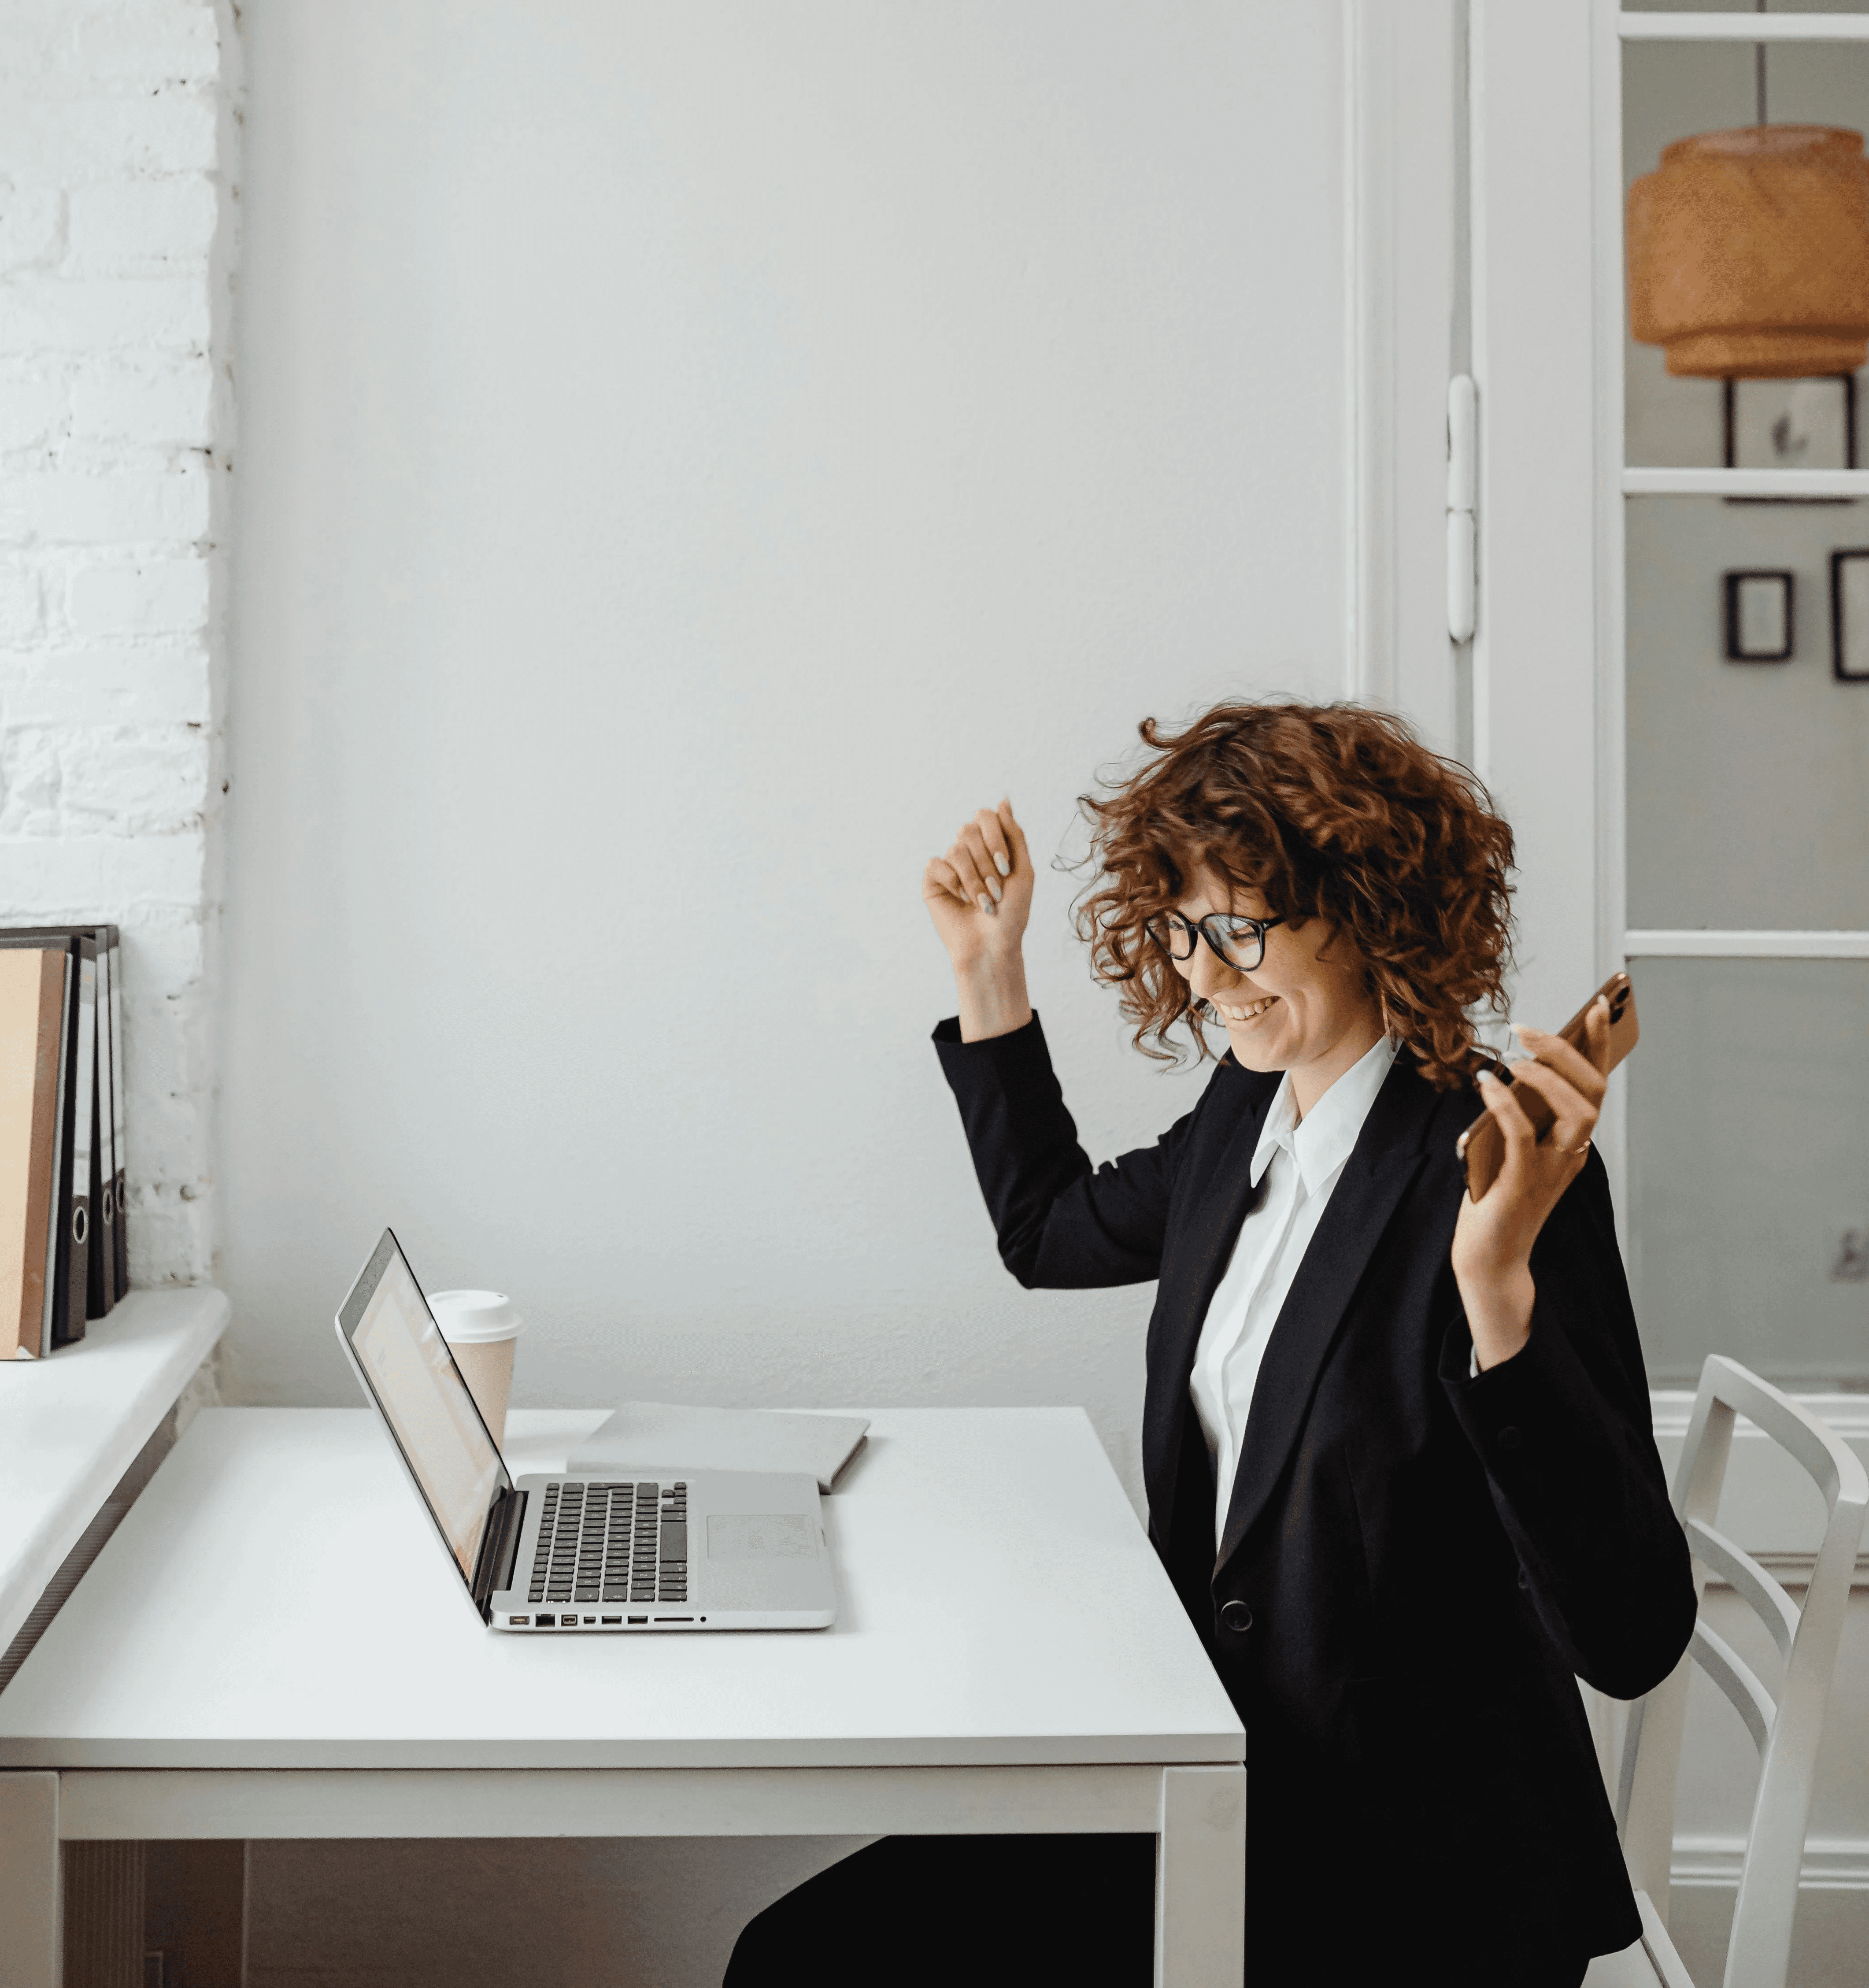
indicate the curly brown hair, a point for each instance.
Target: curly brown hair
{"x":1330,"y":812}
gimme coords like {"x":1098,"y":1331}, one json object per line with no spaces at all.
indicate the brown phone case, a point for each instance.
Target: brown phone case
{"x":1482,"y":1144}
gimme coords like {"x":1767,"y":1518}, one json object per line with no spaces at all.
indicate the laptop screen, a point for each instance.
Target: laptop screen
{"x":408,"y":1367}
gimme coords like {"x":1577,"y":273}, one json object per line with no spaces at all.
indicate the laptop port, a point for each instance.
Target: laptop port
{"x":520,"y":1621}
{"x":546,"y":1621}
{"x":674,"y":1618}
{"x":639,"y":1618}
{"x":610,"y":1621}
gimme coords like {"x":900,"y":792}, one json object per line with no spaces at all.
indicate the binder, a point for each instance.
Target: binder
{"x":71,"y":1253}
{"x":33,"y":988}
{"x":116,"y":1111}
{"x":73,"y":1284}
{"x":107,"y":1272}
{"x":100,"y":1284}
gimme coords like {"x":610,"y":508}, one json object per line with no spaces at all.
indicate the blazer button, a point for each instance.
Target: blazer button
{"x":1509,"y":1438}
{"x":1236,"y":1616}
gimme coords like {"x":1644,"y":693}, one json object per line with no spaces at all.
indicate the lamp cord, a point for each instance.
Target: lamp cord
{"x":1758,"y":53}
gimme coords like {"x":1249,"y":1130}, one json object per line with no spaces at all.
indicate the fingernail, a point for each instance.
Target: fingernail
{"x":1486,"y":1077}
{"x":987,"y":906}
{"x":1002,"y":866}
{"x":993,"y":886}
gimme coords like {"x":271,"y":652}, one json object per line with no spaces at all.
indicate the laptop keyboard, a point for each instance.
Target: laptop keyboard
{"x":615,"y":1543}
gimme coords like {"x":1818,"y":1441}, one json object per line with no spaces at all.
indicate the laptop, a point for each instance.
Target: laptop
{"x":597,"y":1553}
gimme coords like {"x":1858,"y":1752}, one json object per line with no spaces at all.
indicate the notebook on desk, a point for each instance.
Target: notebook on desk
{"x":677,"y":1549}
{"x":640,"y":1434}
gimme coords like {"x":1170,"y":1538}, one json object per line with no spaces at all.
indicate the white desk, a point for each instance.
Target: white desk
{"x":1008,"y":1656}
{"x":72,"y":1424}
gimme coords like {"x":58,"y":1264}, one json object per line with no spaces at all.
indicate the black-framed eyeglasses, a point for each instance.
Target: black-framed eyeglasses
{"x":1236,"y":941}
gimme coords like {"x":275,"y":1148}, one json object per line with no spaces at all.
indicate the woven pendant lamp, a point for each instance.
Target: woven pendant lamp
{"x":1748,"y":253}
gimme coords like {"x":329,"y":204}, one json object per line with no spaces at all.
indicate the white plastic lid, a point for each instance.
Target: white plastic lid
{"x":475,"y":1318}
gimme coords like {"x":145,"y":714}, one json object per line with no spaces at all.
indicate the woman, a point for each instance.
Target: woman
{"x":1396,"y":1443}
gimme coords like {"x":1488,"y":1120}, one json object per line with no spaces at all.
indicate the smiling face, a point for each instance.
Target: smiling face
{"x":1304,"y":1008}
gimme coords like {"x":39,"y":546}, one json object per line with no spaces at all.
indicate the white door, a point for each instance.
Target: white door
{"x":1705,"y":818}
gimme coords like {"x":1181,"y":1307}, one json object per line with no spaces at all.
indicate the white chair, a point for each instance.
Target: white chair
{"x":1786,"y":1727}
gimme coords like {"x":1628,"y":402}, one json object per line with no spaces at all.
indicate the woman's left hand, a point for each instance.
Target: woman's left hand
{"x":1493,"y":1238}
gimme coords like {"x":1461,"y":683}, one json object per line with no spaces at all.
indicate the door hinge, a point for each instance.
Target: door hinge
{"x":1462,"y":470}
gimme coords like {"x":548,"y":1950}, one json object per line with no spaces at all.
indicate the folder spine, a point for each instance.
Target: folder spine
{"x":56,"y":1226}
{"x":100,"y":1282}
{"x":116,"y":1110}
{"x":31,"y":1041}
{"x":74,"y":1274}
{"x":89,"y":1256}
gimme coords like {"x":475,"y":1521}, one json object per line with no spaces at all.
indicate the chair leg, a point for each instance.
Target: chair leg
{"x":1659,"y":1947}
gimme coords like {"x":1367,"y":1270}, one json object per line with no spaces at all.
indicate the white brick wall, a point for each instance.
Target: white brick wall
{"x":119,"y":156}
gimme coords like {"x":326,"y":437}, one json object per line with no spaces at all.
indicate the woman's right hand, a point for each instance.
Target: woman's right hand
{"x":979,"y":896}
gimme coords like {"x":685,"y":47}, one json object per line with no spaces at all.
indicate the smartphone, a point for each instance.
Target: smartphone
{"x":1482,"y":1144}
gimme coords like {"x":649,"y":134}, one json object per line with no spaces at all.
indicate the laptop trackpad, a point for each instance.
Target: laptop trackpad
{"x":761,"y":1536}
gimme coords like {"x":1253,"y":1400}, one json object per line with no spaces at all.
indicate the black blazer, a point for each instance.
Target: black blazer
{"x":1415,"y":1562}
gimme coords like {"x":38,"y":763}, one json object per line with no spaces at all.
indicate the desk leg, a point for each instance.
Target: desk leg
{"x":1201,"y":1878}
{"x":29,"y":1943}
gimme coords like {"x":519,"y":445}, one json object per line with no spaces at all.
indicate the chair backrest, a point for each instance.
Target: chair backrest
{"x":1787,"y":1724}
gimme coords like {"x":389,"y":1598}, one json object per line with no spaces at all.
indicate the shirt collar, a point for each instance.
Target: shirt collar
{"x":1323,"y":1141}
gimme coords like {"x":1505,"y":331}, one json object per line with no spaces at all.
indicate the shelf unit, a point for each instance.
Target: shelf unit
{"x":72,"y":1424}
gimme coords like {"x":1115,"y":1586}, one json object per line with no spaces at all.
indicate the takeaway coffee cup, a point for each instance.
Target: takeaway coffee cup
{"x":480,"y":1328}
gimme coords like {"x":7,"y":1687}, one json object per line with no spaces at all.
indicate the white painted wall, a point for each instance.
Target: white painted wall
{"x":694,"y":454}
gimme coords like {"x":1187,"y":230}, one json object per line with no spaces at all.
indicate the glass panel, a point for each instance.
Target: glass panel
{"x":1670,"y":91}
{"x":1749,"y":1167}
{"x":1749,"y":781}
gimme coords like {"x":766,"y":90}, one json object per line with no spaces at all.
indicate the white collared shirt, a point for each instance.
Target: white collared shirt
{"x":1300,"y":1164}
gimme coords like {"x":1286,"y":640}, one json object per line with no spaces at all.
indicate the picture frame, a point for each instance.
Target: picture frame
{"x":1850,"y":614}
{"x":1791,"y":424}
{"x":1760,"y":618}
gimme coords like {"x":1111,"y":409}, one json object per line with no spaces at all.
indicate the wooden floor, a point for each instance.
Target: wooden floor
{"x":659,"y":1913}
{"x":579,"y":1912}
{"x":1829,"y":1942}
